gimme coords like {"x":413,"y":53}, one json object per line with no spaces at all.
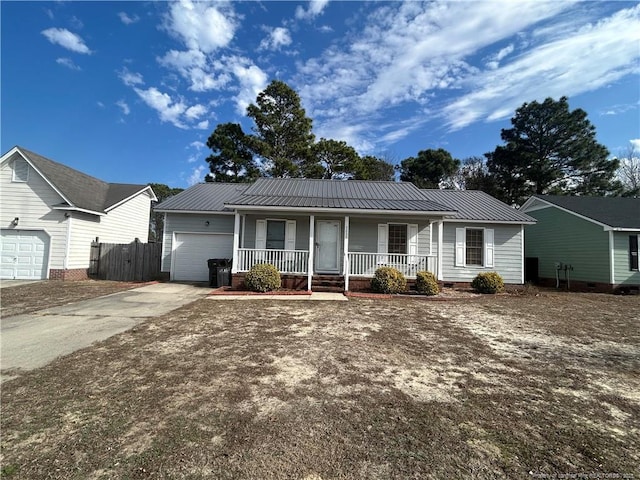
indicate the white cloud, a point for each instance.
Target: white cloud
{"x":252,"y":81}
{"x":201,"y":26}
{"x":194,"y":66}
{"x":316,"y":7}
{"x":495,"y":60}
{"x":203,"y":125}
{"x":66,"y":39}
{"x":197,"y":175}
{"x":123,"y":105}
{"x":100,"y":104}
{"x":126,"y":19}
{"x":278,"y":37}
{"x":635,"y":143}
{"x":169,"y":110}
{"x":198,"y":145}
{"x":67,"y":62}
{"x":195,"y":112}
{"x":130,"y":79}
{"x":554,"y":69}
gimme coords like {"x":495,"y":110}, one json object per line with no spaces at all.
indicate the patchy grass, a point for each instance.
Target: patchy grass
{"x":502,"y":387}
{"x":52,"y":293}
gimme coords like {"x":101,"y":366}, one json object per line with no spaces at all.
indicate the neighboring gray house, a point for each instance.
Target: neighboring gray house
{"x":596,"y":238}
{"x":50,"y":213}
{"x":314,"y":230}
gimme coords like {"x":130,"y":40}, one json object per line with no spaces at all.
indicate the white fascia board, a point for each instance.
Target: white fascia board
{"x":621,"y":229}
{"x":337,"y":211}
{"x":81,"y":210}
{"x":152,"y":198}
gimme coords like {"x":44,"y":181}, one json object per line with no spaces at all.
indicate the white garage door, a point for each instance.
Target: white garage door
{"x":192,"y":250}
{"x":23,"y":254}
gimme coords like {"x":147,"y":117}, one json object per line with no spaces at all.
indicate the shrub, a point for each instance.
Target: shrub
{"x":489,"y":282}
{"x":426,"y":283}
{"x":263,"y":277}
{"x":388,"y":280}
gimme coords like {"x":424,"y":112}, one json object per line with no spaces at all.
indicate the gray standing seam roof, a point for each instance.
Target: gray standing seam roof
{"x":476,"y":205}
{"x":349,"y":194}
{"x":82,"y":190}
{"x":616,"y":212}
{"x":203,"y":197}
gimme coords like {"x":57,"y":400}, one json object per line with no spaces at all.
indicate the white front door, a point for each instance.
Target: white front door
{"x":327,"y":246}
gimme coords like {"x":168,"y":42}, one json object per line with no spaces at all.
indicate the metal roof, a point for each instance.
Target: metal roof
{"x":203,"y":197}
{"x":338,"y":194}
{"x":79,"y":189}
{"x":475,"y":205}
{"x":616,"y":212}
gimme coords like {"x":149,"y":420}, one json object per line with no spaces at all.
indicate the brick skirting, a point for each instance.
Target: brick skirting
{"x":71,"y":274}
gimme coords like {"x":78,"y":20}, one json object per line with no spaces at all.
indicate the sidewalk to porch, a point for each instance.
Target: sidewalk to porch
{"x":315,"y":296}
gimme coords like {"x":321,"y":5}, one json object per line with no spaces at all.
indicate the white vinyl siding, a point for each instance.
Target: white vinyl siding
{"x":31,"y":202}
{"x":193,"y":223}
{"x":127,"y":222}
{"x":505,"y":249}
{"x":84,"y":230}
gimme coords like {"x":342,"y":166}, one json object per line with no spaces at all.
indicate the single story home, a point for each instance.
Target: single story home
{"x":51,"y":213}
{"x":584,"y":242}
{"x":337,"y":233}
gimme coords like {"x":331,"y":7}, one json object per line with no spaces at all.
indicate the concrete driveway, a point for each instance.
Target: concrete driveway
{"x":33,"y":340}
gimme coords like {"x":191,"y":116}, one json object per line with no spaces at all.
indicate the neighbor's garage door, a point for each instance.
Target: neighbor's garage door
{"x":23,"y":254}
{"x":192,"y":250}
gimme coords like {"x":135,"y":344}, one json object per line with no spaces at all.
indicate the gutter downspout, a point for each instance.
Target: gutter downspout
{"x":236,"y":242}
{"x":312,"y":224}
{"x":612,"y":272}
{"x":345,"y":265}
{"x":440,"y":242}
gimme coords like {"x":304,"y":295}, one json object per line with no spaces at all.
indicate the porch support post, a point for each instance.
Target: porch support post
{"x":440,"y":242}
{"x":312,"y":244}
{"x":345,"y":263}
{"x":236,"y":242}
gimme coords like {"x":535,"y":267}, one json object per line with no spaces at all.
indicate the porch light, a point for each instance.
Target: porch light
{"x":15,"y":221}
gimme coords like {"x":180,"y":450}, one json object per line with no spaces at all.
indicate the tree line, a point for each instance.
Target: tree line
{"x":549,"y":149}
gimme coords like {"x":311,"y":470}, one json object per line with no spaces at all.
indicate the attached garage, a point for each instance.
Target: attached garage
{"x":24,"y":254}
{"x":192,"y":250}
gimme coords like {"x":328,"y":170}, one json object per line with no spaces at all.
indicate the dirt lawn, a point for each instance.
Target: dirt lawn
{"x":497,"y":387}
{"x":52,"y":293}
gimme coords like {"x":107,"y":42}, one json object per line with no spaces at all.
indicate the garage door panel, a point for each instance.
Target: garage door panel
{"x":192,"y":250}
{"x":23,"y":254}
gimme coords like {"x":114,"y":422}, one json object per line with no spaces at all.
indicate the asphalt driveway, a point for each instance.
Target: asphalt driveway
{"x":35,"y":339}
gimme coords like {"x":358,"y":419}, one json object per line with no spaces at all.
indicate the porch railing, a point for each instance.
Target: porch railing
{"x":365,"y":264}
{"x":286,"y":261}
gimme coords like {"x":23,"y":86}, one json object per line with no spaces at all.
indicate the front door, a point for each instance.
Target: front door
{"x":327,"y":246}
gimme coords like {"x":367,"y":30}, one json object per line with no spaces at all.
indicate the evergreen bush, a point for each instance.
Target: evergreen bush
{"x":263,"y":277}
{"x":388,"y":280}
{"x":489,"y":282}
{"x":427,"y":283}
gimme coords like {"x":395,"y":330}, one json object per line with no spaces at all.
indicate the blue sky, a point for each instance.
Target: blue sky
{"x":130,"y":91}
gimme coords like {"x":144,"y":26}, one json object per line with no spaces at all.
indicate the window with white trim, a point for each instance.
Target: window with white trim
{"x":275,"y":234}
{"x":20,"y":171}
{"x":397,"y":238}
{"x":474,"y":247}
{"x":633,"y":252}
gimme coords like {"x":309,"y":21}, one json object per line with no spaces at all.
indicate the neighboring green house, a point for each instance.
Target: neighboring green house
{"x":592,"y":241}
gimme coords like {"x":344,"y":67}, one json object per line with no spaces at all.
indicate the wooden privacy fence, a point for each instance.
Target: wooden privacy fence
{"x":125,"y":262}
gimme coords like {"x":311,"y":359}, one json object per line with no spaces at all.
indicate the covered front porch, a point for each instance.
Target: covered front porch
{"x":308,"y":247}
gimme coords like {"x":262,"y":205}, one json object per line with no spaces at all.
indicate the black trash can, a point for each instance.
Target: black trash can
{"x":219,"y":272}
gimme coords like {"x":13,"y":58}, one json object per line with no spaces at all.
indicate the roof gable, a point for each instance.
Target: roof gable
{"x":78,"y":189}
{"x":614,"y":212}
